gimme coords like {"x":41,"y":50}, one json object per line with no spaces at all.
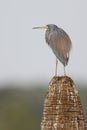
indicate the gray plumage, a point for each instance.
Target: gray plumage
{"x":59,"y":42}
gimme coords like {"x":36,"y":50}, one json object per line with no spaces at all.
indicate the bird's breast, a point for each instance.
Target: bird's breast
{"x":50,"y":37}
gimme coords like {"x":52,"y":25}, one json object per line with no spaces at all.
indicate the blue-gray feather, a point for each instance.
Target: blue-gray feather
{"x":60,"y":43}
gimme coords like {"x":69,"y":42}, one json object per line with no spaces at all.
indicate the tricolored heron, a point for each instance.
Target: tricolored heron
{"x":59,"y":42}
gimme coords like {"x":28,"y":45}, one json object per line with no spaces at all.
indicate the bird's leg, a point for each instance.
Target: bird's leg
{"x":64,"y":71}
{"x":56,"y":67}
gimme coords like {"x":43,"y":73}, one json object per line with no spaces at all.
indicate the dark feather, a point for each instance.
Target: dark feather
{"x":59,"y":42}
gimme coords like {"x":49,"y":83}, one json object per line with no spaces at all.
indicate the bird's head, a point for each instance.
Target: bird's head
{"x":49,"y":27}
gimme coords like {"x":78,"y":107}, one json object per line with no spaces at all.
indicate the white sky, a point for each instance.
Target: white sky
{"x":24,"y":55}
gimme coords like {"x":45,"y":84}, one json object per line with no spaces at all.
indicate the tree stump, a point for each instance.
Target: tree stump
{"x":62,"y":106}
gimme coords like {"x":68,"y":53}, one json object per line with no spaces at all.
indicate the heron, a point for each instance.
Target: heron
{"x":60,"y":43}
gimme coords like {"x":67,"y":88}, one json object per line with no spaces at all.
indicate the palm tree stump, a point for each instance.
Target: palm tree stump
{"x":62,"y":106}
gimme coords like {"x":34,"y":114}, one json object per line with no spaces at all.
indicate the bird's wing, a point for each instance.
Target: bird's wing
{"x":61,"y":45}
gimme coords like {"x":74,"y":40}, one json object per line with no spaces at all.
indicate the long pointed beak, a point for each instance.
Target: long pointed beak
{"x":44,"y":27}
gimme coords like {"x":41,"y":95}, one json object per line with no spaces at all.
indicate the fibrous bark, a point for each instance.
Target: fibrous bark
{"x":62,"y":106}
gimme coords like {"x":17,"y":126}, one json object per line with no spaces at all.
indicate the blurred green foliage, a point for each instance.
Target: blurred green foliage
{"x":21,"y":109}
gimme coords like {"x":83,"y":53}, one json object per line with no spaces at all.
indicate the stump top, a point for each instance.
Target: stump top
{"x":62,"y":106}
